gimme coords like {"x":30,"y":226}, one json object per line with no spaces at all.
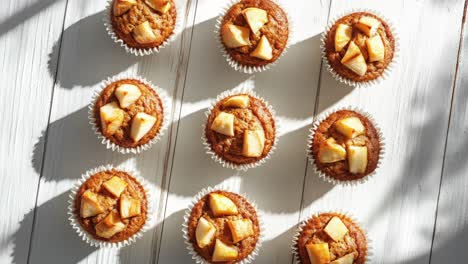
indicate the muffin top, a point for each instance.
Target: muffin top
{"x":143,"y":23}
{"x":241,"y":129}
{"x":331,"y":238}
{"x":129,"y":113}
{"x":111,"y":205}
{"x":360,"y":46}
{"x":223,"y":227}
{"x":346,"y":146}
{"x":255,"y":32}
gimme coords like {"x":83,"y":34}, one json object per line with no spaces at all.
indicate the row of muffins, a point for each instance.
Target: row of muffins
{"x":358,"y":48}
{"x":111,"y":207}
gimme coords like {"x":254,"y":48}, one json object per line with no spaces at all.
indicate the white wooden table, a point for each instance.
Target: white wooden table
{"x":54,"y":53}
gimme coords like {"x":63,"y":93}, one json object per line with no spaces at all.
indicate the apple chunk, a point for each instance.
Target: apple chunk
{"x":110,"y":225}
{"x":127,"y":94}
{"x":375,"y":48}
{"x":240,"y":229}
{"x":256,"y":18}
{"x":254,"y":143}
{"x":336,"y":229}
{"x":161,"y":6}
{"x":221,"y":205}
{"x":343,"y":35}
{"x":350,"y":127}
{"x":205,"y":232}
{"x":112,"y":118}
{"x":122,"y":6}
{"x":235,"y":36}
{"x":223,"y":252}
{"x":129,"y":207}
{"x":90,"y":205}
{"x":368,"y":25}
{"x":330,"y":151}
{"x":115,"y":185}
{"x":318,"y":253}
{"x":346,"y":259}
{"x":144,"y":34}
{"x":240,"y":101}
{"x":263,"y":50}
{"x":357,"y":159}
{"x":224,"y":124}
{"x":352,"y":51}
{"x":142,"y":123}
{"x":357,"y":65}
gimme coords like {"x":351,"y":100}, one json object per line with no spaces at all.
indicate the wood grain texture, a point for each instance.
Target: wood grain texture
{"x":412,"y":108}
{"x":451,"y":231}
{"x":27,"y":29}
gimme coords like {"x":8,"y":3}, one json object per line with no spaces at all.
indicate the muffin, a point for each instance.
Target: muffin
{"x":128,"y":113}
{"x":111,"y":205}
{"x":240,"y":130}
{"x":346,"y":146}
{"x":223,"y":227}
{"x":331,"y":238}
{"x":143,"y":24}
{"x":359,"y":47}
{"x":254,"y":33}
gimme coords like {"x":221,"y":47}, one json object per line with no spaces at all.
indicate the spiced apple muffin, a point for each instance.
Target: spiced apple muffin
{"x":359,"y":46}
{"x":223,"y":227}
{"x":346,"y":146}
{"x":143,"y":24}
{"x":331,"y":238}
{"x":129,"y":113}
{"x":111,"y":206}
{"x":255,"y":32}
{"x":241,"y":129}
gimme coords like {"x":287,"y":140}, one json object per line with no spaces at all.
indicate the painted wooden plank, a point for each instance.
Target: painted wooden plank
{"x":294,"y":79}
{"x":88,"y":56}
{"x":27,"y":29}
{"x":451,"y":231}
{"x":412,"y":108}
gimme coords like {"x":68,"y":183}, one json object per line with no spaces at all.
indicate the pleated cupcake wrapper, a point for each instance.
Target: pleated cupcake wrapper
{"x":141,"y":51}
{"x":87,"y":237}
{"x":166,"y":105}
{"x":387,"y":71}
{"x":310,"y":140}
{"x":195,"y":256}
{"x":295,"y":249}
{"x":245,"y":68}
{"x":221,"y":160}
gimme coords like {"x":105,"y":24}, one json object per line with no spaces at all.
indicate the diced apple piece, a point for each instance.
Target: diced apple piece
{"x":141,"y":125}
{"x":240,"y":229}
{"x":115,"y":185}
{"x":330,"y":151}
{"x":235,"y":36}
{"x":375,"y":48}
{"x":224,"y":124}
{"x":110,"y":225}
{"x":129,"y":207}
{"x":240,"y":101}
{"x":352,"y":52}
{"x":161,"y":6}
{"x":205,"y":232}
{"x":263,"y":50}
{"x":122,"y":6}
{"x":357,"y":65}
{"x":255,"y":17}
{"x":112,"y":118}
{"x":346,"y":259}
{"x":254,"y":142}
{"x":350,"y":127}
{"x":318,"y":253}
{"x":90,"y":204}
{"x":221,"y":205}
{"x":368,"y":25}
{"x":223,"y":252}
{"x":336,"y":229}
{"x":343,"y":35}
{"x":127,"y":94}
{"x":144,"y":34}
{"x":357,"y":159}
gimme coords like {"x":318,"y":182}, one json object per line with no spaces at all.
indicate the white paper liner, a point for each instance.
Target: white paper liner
{"x":141,"y":51}
{"x":166,"y":105}
{"x":295,"y":249}
{"x":310,"y":140}
{"x":88,"y":238}
{"x":387,"y":71}
{"x":245,"y":68}
{"x":219,"y":159}
{"x":198,"y":259}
